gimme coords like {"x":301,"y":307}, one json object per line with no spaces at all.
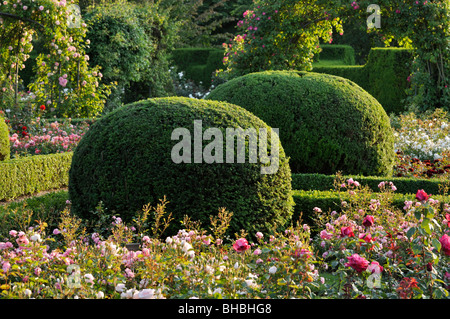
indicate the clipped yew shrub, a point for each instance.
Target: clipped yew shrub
{"x":327,"y":123}
{"x":125,"y":161}
{"x":4,"y":140}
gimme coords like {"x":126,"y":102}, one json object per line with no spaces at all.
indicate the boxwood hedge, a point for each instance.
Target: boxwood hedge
{"x":32,"y":174}
{"x":124,"y":160}
{"x":327,"y":123}
{"x":4,"y":140}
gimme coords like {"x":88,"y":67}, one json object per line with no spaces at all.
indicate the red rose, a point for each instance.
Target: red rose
{"x":445,"y":244}
{"x":368,"y":221}
{"x":24,"y":133}
{"x":42,"y":107}
{"x":357,"y":262}
{"x":347,"y":232}
{"x":24,"y":128}
{"x":241,"y":245}
{"x":421,"y":195}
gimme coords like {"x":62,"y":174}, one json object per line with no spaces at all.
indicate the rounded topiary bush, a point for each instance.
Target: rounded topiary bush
{"x":125,"y":161}
{"x":4,"y":140}
{"x":326,"y":123}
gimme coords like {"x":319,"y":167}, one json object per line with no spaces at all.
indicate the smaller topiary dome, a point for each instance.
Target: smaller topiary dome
{"x":126,"y":161}
{"x":4,"y":140}
{"x":327,"y":123}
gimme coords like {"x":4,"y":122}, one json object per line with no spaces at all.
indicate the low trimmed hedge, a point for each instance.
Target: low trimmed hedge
{"x":320,"y":182}
{"x":29,"y":175}
{"x":305,"y":201}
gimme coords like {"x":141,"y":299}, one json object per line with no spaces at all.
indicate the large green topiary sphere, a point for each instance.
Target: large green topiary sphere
{"x":4,"y":140}
{"x":125,"y":161}
{"x":327,"y":123}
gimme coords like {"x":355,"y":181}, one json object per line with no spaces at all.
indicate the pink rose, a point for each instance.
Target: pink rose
{"x":357,"y":262}
{"x":325,"y":235}
{"x":241,"y":245}
{"x":422,"y":195}
{"x":302,"y":253}
{"x":62,"y":81}
{"x":6,"y":266}
{"x":22,"y":240}
{"x":445,"y":243}
{"x":375,"y":268}
{"x":368,"y":221}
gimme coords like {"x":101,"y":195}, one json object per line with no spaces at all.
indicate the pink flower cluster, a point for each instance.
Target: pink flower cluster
{"x":52,"y":138}
{"x":355,"y":5}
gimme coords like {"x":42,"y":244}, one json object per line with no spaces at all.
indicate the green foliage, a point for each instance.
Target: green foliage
{"x":326,"y":123}
{"x":345,"y":54}
{"x":33,"y":174}
{"x":125,"y":162}
{"x":25,"y":213}
{"x":199,"y":21}
{"x":385,"y":76}
{"x":285,"y":35}
{"x":321,"y":182}
{"x":131,"y":43}
{"x":356,"y":35}
{"x":279,"y":35}
{"x":63,"y":81}
{"x":4,"y":140}
{"x":198,"y":64}
{"x":327,"y":201}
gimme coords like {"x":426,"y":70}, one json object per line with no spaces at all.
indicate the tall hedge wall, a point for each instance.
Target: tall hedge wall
{"x":384,"y":76}
{"x":343,"y":53}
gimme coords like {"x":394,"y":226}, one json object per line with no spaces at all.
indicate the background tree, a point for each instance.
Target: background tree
{"x":279,"y":35}
{"x":132,"y":42}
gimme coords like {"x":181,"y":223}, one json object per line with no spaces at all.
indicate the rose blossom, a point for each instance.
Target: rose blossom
{"x":422,"y":195}
{"x":347,"y":231}
{"x":368,"y":221}
{"x":241,"y":245}
{"x":445,"y":243}
{"x":325,"y":235}
{"x":357,"y":262}
{"x":375,"y":267}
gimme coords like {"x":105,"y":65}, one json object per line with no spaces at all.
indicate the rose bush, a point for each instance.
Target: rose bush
{"x":404,"y":249}
{"x":46,"y":137}
{"x":64,"y":81}
{"x":369,"y":250}
{"x":190,"y":264}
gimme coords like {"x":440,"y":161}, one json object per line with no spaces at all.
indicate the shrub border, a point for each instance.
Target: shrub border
{"x":32,"y":174}
{"x":306,"y":201}
{"x":321,"y":182}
